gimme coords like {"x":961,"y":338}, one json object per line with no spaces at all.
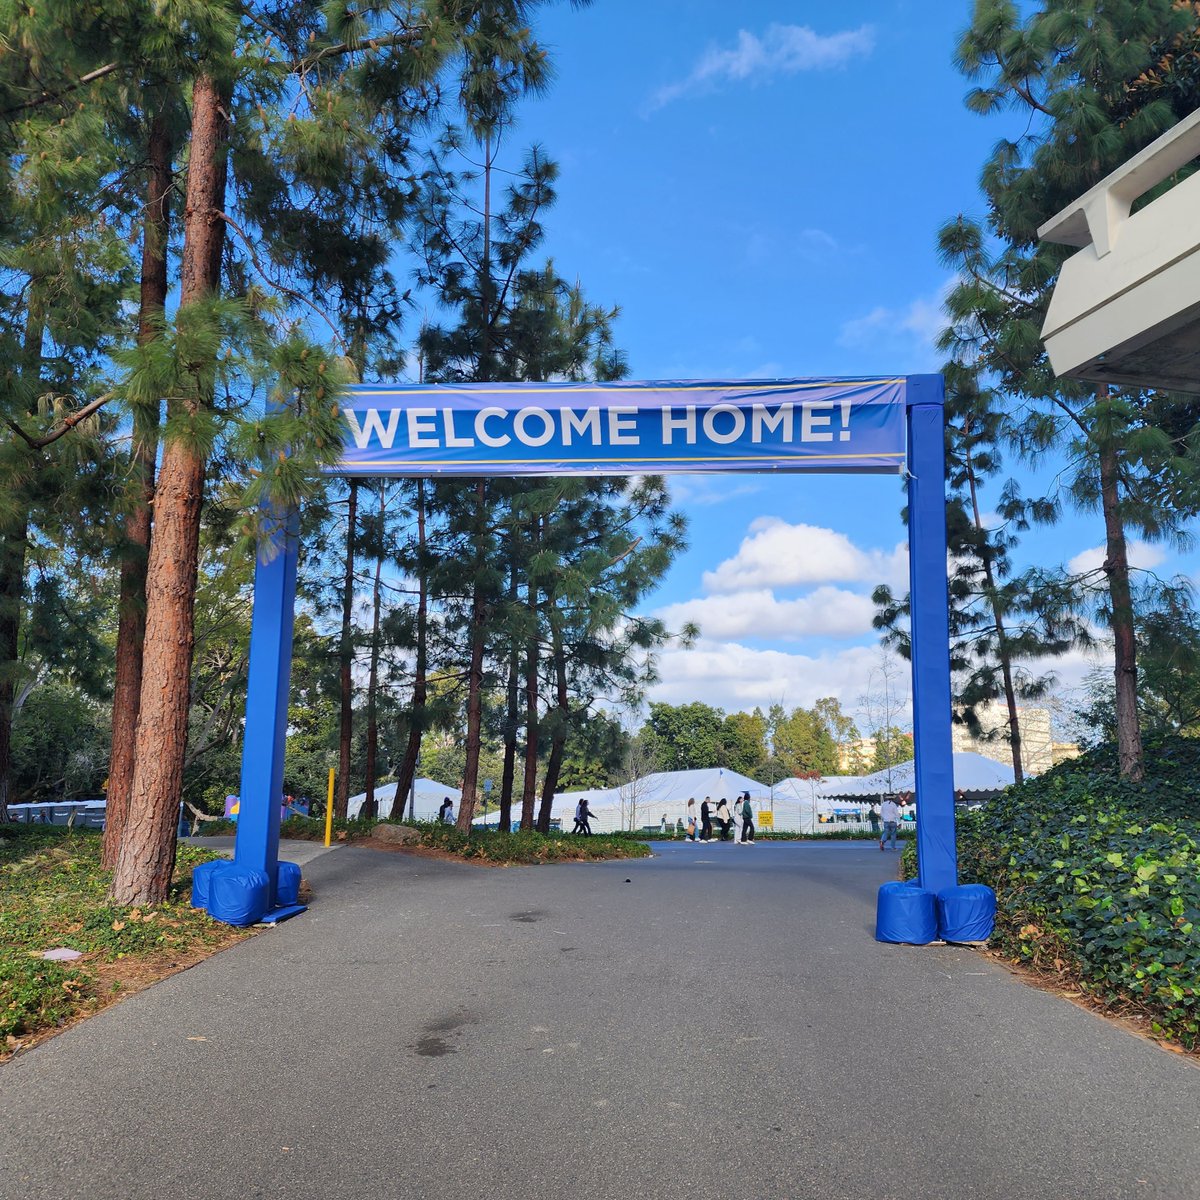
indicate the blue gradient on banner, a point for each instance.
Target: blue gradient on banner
{"x":822,"y":425}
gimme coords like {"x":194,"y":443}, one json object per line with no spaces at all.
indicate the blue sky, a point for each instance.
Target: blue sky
{"x":758,"y":186}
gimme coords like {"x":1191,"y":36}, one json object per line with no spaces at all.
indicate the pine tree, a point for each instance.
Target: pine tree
{"x":1097,"y":82}
{"x":1001,"y":626}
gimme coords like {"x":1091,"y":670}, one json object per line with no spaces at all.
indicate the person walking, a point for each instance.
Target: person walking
{"x":690,"y":823}
{"x":579,"y":821}
{"x":724,"y":819}
{"x":873,"y":815}
{"x":889,"y":811}
{"x":705,"y":821}
{"x":747,"y":820}
{"x":446,"y":812}
{"x":585,"y":818}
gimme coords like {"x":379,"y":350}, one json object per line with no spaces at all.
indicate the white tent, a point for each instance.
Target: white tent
{"x":801,"y":805}
{"x":644,"y":803}
{"x":430,"y":795}
{"x":974,"y":775}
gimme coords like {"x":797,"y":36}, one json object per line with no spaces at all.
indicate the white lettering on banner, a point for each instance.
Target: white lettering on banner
{"x":622,"y":426}
{"x":761,"y":421}
{"x":489,"y":439}
{"x":726,"y":424}
{"x":670,"y":422}
{"x":373,"y":424}
{"x":710,"y":424}
{"x":452,"y":438}
{"x":587,"y":425}
{"x":422,"y":429}
{"x":810,"y":420}
{"x":530,"y":439}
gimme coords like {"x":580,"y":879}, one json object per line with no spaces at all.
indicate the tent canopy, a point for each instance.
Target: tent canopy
{"x":974,"y":775}
{"x":430,"y":795}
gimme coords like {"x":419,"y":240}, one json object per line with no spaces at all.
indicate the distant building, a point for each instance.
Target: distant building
{"x":1064,"y":751}
{"x":1039,"y":750}
{"x":857,"y":757}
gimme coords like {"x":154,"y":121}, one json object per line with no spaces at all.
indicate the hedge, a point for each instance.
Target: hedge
{"x":1099,"y":880}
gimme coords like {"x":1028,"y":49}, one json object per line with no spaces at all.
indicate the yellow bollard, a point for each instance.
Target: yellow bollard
{"x":329,"y":809}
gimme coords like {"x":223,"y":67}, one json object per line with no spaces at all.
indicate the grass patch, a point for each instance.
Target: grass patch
{"x":1098,"y":882}
{"x":53,"y":892}
{"x":529,"y":848}
{"x":522,"y":847}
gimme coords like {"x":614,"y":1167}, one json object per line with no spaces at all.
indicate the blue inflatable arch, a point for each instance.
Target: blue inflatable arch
{"x":872,"y":426}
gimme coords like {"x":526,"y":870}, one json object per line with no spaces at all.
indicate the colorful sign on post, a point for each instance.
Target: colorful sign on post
{"x":820,"y":425}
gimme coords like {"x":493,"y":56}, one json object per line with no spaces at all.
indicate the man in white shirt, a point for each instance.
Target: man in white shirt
{"x":889,"y":812}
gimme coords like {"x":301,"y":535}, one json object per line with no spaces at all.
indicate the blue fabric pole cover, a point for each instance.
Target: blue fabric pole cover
{"x":287,"y":884}
{"x":906,"y":913}
{"x":200,"y":882}
{"x":966,"y":913}
{"x":238,"y":895}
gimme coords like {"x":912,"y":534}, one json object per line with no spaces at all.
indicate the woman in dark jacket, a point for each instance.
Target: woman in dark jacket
{"x":705,"y":822}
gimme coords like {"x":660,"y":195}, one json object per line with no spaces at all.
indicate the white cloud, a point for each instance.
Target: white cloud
{"x":695,"y":490}
{"x":781,"y":50}
{"x":779,"y":554}
{"x":826,"y":612}
{"x":1142,"y":556}
{"x":916,"y":326}
{"x":736,"y":677}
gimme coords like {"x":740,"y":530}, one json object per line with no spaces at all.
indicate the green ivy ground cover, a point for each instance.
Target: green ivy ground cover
{"x":1099,"y":880}
{"x":53,"y":894}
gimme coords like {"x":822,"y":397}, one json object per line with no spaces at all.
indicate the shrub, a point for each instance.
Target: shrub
{"x":1100,"y":879}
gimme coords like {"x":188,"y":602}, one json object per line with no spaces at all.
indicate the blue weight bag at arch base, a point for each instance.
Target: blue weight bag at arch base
{"x":908,"y":913}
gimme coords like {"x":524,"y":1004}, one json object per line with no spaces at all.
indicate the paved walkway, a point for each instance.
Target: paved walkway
{"x":715,"y":1022}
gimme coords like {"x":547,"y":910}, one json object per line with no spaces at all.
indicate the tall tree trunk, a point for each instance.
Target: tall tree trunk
{"x":346,"y":659}
{"x":989,"y":574}
{"x":478,"y":625}
{"x":368,"y":809}
{"x":131,"y":626}
{"x":558,"y":739}
{"x":147,"y":855}
{"x":12,"y":593}
{"x":512,"y":699}
{"x":1116,"y":568}
{"x":532,"y":647}
{"x":416,"y":725}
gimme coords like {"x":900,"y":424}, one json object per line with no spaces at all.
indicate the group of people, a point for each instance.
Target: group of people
{"x":583,"y":817}
{"x":703,"y":829}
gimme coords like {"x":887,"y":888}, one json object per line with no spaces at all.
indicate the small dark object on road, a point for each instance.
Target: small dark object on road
{"x":629,"y":881}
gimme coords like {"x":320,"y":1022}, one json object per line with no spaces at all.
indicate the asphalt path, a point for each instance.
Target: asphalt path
{"x":714,"y":1022}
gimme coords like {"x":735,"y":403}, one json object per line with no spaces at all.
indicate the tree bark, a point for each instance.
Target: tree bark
{"x":1116,"y":568}
{"x":989,"y":574}
{"x":412,"y":751}
{"x":147,"y":854}
{"x":346,"y":658}
{"x":368,"y":808}
{"x":529,"y":783}
{"x":558,"y":739}
{"x":12,"y":594}
{"x":13,"y":547}
{"x":512,"y":699}
{"x":131,"y":627}
{"x":466,"y":809}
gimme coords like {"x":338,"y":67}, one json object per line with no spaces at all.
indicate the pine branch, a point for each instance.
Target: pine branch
{"x":67,"y":425}
{"x":51,"y":97}
{"x":275,"y":283}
